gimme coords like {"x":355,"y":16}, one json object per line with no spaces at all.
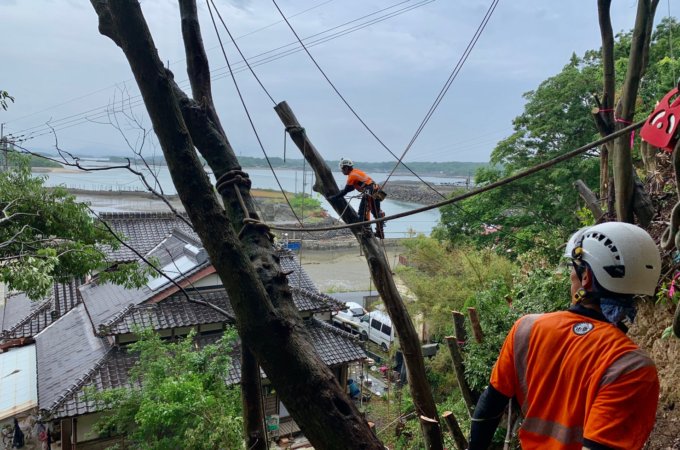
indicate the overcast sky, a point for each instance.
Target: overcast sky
{"x":59,"y":68}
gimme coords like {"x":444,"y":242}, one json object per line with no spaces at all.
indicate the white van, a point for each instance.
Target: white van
{"x":376,"y":326}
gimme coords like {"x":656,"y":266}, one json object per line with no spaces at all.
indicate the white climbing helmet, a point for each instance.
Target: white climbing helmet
{"x":345,"y":162}
{"x":622,"y":256}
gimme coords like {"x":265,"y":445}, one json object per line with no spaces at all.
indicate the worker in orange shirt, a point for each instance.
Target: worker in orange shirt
{"x":579,"y":381}
{"x":371,"y":193}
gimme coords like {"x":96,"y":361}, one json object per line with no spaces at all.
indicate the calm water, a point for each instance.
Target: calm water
{"x":291,"y":181}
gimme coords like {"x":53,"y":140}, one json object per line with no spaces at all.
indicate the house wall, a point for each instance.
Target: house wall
{"x":211,"y":280}
{"x":28,"y":423}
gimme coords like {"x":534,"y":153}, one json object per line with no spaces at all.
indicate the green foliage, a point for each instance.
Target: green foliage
{"x":182,"y":400}
{"x":556,"y":119}
{"x":4,"y":98}
{"x":444,"y":278}
{"x":539,"y":291}
{"x":304,"y":204}
{"x":47,"y":236}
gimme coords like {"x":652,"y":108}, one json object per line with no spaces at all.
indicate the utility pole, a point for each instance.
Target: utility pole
{"x":3,"y":145}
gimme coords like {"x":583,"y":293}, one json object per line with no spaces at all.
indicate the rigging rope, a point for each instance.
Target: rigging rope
{"x":347,"y":103}
{"x":245,"y":107}
{"x":454,"y":73}
{"x":488,"y":187}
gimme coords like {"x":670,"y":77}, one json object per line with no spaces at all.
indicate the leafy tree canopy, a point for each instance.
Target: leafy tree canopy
{"x":538,"y":211}
{"x":47,"y":236}
{"x":182,"y":401}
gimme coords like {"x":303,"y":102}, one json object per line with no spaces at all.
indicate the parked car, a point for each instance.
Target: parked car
{"x":353,"y":312}
{"x":376,"y":326}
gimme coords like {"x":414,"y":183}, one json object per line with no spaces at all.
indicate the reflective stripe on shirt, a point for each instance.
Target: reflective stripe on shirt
{"x":627,"y":363}
{"x":557,"y":431}
{"x":521,"y":350}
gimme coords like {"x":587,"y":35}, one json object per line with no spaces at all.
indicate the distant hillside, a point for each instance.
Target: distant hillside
{"x":449,"y":169}
{"x":443,"y":169}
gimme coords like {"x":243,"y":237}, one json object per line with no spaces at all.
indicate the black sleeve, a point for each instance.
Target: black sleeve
{"x":488,"y":413}
{"x":592,"y":445}
{"x":347,"y":189}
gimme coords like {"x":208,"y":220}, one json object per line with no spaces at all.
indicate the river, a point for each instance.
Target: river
{"x":291,"y":180}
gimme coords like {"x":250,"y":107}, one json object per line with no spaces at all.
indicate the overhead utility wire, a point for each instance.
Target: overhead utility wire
{"x":80,"y":120}
{"x":239,"y":52}
{"x":439,"y":97}
{"x":460,"y":208}
{"x":347,"y":103}
{"x":447,"y":85}
{"x":245,"y":107}
{"x":488,"y":187}
{"x":257,"y":30}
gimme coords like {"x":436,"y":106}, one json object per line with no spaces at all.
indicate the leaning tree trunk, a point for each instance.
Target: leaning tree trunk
{"x":254,"y":428}
{"x":267,"y":321}
{"x":382,"y":277}
{"x":605,"y":113}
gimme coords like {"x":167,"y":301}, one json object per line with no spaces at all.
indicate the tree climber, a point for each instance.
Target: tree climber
{"x":580,"y":382}
{"x":371,"y":194}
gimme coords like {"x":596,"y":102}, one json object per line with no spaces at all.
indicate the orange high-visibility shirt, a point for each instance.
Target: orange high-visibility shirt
{"x":358,"y":179}
{"x":577,"y":378}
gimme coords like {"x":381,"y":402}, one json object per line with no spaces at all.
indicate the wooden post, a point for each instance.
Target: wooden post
{"x":456,"y":432}
{"x":476,"y":327}
{"x":591,"y":200}
{"x":381,"y":275}
{"x":427,"y":423}
{"x":459,"y":368}
{"x":459,"y":327}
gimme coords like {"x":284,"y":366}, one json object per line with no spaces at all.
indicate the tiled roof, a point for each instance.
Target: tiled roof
{"x":142,"y":231}
{"x":106,"y":300}
{"x":111,"y":371}
{"x":176,"y":311}
{"x":66,"y":351}
{"x":41,"y":313}
{"x":173,"y":312}
{"x":298,"y":277}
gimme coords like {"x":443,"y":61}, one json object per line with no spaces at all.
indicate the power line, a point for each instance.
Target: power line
{"x":347,"y":103}
{"x":257,"y":30}
{"x":77,"y":119}
{"x":488,"y":187}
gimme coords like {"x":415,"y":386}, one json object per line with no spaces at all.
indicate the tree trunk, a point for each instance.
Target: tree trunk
{"x":454,"y":428}
{"x":459,"y":369}
{"x":254,"y":428}
{"x":625,"y":110}
{"x":591,"y":200}
{"x":199,"y":76}
{"x":267,"y":323}
{"x":381,"y":275}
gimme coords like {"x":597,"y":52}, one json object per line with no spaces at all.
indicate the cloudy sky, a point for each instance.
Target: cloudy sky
{"x":61,"y":70}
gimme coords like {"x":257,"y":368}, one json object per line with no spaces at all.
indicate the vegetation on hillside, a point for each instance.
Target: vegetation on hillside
{"x":182,"y":400}
{"x":47,"y":236}
{"x":541,"y":210}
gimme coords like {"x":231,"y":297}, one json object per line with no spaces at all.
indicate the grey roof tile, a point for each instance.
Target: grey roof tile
{"x":66,"y":351}
{"x":142,"y":231}
{"x":333,"y":345}
{"x":41,"y":313}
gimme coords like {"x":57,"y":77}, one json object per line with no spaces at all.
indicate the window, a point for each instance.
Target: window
{"x":387,"y":329}
{"x":375,"y":324}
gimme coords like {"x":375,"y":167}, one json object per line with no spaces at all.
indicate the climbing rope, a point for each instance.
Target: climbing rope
{"x":235,"y":178}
